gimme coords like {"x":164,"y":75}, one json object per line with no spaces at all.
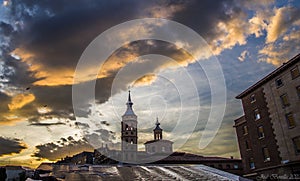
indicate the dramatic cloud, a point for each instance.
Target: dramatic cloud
{"x":20,"y":100}
{"x":283,"y":19}
{"x":46,"y":124}
{"x":65,"y":147}
{"x":42,"y":41}
{"x":10,"y":146}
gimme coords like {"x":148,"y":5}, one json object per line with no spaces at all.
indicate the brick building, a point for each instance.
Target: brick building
{"x":268,"y":132}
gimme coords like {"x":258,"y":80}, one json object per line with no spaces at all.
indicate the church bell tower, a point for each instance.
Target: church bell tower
{"x":129,"y":133}
{"x":157,"y":131}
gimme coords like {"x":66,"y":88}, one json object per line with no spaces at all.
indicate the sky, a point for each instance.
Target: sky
{"x":42,"y":41}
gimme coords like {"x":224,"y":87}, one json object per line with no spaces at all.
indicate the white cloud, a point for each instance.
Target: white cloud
{"x":243,"y":55}
{"x":282,"y":20}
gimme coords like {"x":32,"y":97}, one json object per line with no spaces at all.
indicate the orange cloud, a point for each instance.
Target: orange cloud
{"x":62,"y":76}
{"x":46,"y":76}
{"x":145,"y":80}
{"x":20,"y":100}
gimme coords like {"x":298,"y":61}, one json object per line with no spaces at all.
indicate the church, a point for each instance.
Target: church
{"x":157,"y":151}
{"x":129,"y":138}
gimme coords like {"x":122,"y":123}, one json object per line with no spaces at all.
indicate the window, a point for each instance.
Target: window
{"x":266,"y":154}
{"x":296,"y":142}
{"x":247,"y":145}
{"x":153,"y":149}
{"x":260,"y":130}
{"x":295,"y":72}
{"x":256,"y":114}
{"x":220,"y":166}
{"x":278,"y":82}
{"x":284,"y":100}
{"x":163,"y":149}
{"x":251,"y":163}
{"x":245,"y":130}
{"x":290,"y":120}
{"x":298,"y":91}
{"x":252,"y":98}
{"x":227,"y":166}
{"x":235,"y":166}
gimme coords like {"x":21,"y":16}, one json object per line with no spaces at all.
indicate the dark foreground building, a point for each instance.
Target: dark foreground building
{"x":268,"y":132}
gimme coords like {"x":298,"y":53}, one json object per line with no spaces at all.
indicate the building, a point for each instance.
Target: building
{"x":158,"y":145}
{"x":157,"y":151}
{"x":268,"y":132}
{"x":129,"y":134}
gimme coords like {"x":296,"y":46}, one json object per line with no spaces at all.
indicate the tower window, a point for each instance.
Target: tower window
{"x":295,"y":72}
{"x":284,"y":100}
{"x":256,"y":114}
{"x":290,"y":120}
{"x":266,"y":154}
{"x":261,"y":133}
{"x":278,"y":82}
{"x":131,"y":142}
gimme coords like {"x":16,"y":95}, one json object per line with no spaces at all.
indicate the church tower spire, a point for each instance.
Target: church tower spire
{"x":157,"y":131}
{"x":129,"y":104}
{"x":129,"y":133}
